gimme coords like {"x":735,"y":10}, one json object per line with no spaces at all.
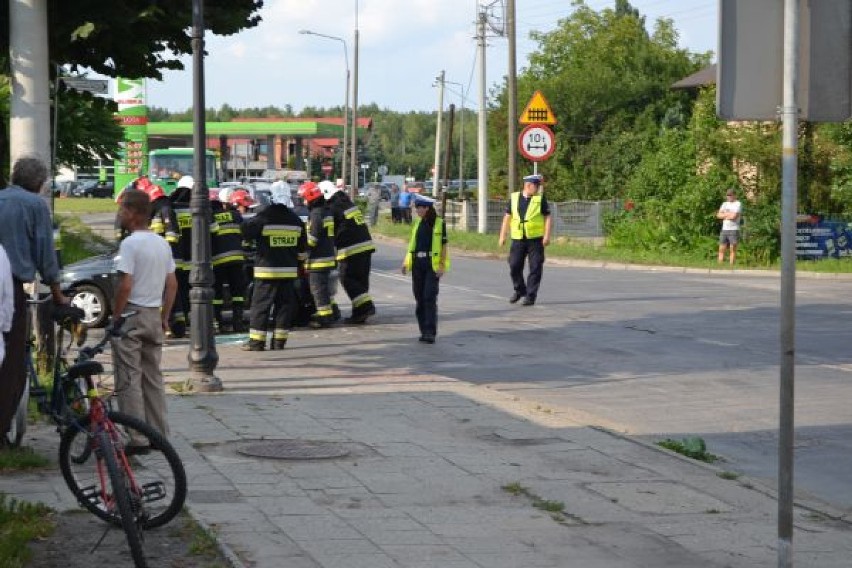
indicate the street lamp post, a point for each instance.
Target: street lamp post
{"x":346,"y":103}
{"x":202,"y":353}
{"x":353,"y":162}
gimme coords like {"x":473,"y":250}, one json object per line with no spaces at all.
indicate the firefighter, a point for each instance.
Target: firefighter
{"x":182,"y":253}
{"x":281,"y":249}
{"x":354,"y":251}
{"x":321,"y":254}
{"x":228,"y":263}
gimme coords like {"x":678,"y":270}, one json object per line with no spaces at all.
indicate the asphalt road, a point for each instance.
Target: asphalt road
{"x":649,"y":353}
{"x":655,"y":354}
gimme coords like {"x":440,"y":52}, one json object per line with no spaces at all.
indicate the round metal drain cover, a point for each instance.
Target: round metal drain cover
{"x":294,"y":450}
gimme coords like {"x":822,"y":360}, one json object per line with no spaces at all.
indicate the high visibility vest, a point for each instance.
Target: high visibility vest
{"x":532,"y":225}
{"x":435,"y":253}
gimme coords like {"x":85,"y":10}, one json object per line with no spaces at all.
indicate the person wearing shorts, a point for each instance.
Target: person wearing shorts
{"x":730,"y":213}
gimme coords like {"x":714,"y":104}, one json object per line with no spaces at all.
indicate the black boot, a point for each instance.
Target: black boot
{"x":253,"y":345}
{"x":237,"y":320}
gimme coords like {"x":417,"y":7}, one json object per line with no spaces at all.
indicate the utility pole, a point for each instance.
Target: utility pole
{"x":353,"y":161}
{"x":436,"y":172}
{"x":482,"y":142}
{"x":29,"y":124}
{"x":512,"y":98}
{"x":789,"y":168}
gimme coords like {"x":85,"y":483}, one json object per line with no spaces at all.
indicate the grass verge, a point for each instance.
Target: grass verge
{"x":21,"y":522}
{"x":694,"y":448}
{"x":566,"y":247}
{"x":81,"y":206}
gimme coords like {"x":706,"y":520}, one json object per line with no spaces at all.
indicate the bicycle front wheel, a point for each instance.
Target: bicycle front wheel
{"x":159,"y":473}
{"x":118,"y":497}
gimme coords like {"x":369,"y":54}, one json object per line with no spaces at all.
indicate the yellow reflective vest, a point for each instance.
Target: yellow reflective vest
{"x":532,"y":225}
{"x":435,"y":253}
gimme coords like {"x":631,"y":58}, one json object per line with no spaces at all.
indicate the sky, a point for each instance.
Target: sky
{"x":403,"y":47}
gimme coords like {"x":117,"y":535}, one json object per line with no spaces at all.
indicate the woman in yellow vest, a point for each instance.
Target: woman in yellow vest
{"x":427,"y":259}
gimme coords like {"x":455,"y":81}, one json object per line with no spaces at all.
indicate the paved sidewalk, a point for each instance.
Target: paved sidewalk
{"x":443,"y":474}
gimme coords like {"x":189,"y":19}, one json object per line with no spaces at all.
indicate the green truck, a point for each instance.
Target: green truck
{"x":166,"y":166}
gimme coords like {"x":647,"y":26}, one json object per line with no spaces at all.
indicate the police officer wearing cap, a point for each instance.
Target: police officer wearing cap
{"x":528,"y":217}
{"x":427,"y":259}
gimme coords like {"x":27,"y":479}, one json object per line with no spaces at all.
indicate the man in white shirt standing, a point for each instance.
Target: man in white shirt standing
{"x":729,"y":213}
{"x":147,"y":286}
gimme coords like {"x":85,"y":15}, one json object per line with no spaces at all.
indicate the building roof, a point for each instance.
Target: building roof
{"x":701,"y":78}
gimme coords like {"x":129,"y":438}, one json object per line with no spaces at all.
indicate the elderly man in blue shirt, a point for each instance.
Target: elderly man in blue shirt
{"x":27,"y":237}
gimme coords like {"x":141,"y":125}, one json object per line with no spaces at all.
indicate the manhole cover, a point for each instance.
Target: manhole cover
{"x":294,"y":450}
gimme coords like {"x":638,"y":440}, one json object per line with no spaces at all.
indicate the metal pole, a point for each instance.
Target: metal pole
{"x":482,"y":142}
{"x":353,"y":166}
{"x":436,"y":173}
{"x":512,"y":97}
{"x":343,"y":160}
{"x":202,"y":353}
{"x":789,"y":163}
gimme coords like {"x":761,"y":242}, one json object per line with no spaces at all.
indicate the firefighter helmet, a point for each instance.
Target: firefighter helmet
{"x":328,"y":188}
{"x":310,"y":192}
{"x":241,"y":198}
{"x":186,"y":181}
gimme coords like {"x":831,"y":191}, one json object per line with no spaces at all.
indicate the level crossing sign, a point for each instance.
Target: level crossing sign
{"x":536,"y":142}
{"x":537,"y":111}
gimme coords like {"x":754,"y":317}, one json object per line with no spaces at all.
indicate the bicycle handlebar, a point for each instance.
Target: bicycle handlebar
{"x":111,"y":332}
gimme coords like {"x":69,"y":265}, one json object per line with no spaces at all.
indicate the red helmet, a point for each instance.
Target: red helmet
{"x":241,"y":198}
{"x":142,"y":183}
{"x":309,"y":191}
{"x":154,"y":191}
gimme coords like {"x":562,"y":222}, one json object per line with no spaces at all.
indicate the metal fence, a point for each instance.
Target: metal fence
{"x":573,"y":218}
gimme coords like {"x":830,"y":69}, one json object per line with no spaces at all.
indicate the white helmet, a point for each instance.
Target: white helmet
{"x":186,"y":181}
{"x":225,"y":194}
{"x":328,"y":189}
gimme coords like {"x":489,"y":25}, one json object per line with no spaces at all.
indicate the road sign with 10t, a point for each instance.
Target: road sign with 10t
{"x":536,"y":142}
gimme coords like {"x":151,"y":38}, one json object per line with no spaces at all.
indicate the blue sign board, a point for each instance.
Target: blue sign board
{"x":816,"y":239}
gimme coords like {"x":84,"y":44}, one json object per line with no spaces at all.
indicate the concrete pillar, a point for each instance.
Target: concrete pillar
{"x":29,"y":128}
{"x":270,"y":152}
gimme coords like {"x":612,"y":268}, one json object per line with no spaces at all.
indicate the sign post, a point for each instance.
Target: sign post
{"x":537,"y":142}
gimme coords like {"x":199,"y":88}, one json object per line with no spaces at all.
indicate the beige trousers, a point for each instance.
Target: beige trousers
{"x":138,"y":379}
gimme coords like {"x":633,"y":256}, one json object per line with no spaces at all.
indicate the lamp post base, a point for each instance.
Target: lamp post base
{"x":206,"y":383}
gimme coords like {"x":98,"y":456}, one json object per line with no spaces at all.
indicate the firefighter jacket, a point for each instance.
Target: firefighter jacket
{"x":281,"y":240}
{"x":320,"y":240}
{"x":182,"y":253}
{"x":163,"y":220}
{"x":225,"y":235}
{"x":351,"y":235}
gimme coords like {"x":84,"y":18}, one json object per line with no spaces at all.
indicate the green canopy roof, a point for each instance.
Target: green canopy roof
{"x":264,"y":128}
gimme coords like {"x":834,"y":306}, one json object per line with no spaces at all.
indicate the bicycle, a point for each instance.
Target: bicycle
{"x":133,"y":487}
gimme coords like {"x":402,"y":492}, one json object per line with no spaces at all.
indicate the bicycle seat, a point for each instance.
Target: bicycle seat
{"x":63,"y":314}
{"x":85,"y":369}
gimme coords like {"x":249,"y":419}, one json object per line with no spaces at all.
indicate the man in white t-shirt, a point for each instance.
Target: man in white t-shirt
{"x":147,"y":286}
{"x":729,"y":213}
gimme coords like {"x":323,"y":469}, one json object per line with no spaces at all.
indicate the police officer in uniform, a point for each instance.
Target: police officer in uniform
{"x":228,"y":263}
{"x":428,"y":261}
{"x":354,"y":251}
{"x":321,"y":254}
{"x":528,"y":217}
{"x":281,"y":244}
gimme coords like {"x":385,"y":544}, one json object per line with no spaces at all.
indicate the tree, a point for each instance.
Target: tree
{"x":132,"y":38}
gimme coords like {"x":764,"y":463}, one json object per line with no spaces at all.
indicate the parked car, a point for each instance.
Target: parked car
{"x":415,"y":187}
{"x":92,"y":188}
{"x":91,"y":284}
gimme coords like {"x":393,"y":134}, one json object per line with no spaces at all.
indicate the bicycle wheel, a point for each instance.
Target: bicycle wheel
{"x":18,"y":427}
{"x":159,"y":473}
{"x":118,"y":498}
